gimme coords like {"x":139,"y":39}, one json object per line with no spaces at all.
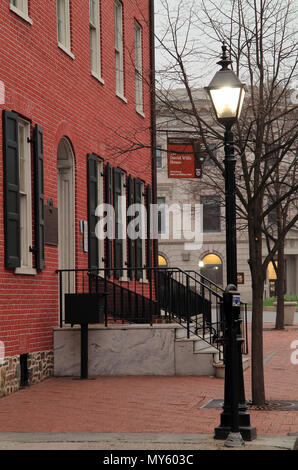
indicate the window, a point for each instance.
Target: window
{"x":158,"y":158}
{"x":208,"y":161}
{"x":161,"y":214}
{"x":18,"y":194}
{"x":119,"y":72}
{"x":138,"y":68}
{"x":211,"y":213}
{"x":63,"y":25}
{"x":211,"y":268}
{"x":119,"y":200}
{"x":20,"y":7}
{"x":140,"y":248}
{"x":94,"y":27}
{"x":272,"y":216}
{"x":162,"y":261}
{"x":25,"y":194}
{"x":94,"y":199}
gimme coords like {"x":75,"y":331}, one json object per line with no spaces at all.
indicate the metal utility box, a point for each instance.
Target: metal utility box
{"x":84,"y":308}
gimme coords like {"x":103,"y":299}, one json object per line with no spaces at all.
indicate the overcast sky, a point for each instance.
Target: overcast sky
{"x":202,"y":68}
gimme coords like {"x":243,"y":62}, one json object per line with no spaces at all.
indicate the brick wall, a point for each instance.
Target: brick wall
{"x":47,"y":86}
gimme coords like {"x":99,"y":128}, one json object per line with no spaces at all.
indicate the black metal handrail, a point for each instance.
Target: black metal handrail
{"x":213,"y":286}
{"x":170,"y":294}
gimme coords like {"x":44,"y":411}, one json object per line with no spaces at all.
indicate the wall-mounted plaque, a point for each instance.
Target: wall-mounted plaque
{"x":240,"y":278}
{"x":51,"y":224}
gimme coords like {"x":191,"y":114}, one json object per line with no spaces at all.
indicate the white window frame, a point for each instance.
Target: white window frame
{"x":138,"y":40}
{"x":63,"y":26}
{"x":159,"y":158}
{"x":119,"y":61}
{"x":20,"y":7}
{"x":25,"y":193}
{"x":94,"y":38}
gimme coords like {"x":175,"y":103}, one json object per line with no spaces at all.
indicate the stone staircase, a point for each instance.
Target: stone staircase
{"x":196,"y":356}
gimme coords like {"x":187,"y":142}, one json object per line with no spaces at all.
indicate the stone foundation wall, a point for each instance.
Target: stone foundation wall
{"x":40,"y":366}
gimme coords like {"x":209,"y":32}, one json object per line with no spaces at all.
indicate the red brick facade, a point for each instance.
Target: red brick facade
{"x":50,"y":88}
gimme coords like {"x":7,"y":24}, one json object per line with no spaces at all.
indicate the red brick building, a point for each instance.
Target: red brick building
{"x":72,"y":96}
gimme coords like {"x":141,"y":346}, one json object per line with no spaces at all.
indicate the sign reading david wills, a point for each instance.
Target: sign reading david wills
{"x":181,"y":161}
{"x":184,"y":158}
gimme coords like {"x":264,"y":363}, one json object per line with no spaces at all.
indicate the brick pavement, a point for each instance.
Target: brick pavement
{"x":151,"y":404}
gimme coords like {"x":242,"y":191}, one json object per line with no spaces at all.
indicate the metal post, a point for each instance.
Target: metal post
{"x":231,"y":250}
{"x":84,"y":350}
{"x":231,"y":418}
{"x":61,"y":298}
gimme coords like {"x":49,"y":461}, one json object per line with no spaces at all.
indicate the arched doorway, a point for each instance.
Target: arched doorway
{"x":66,"y":209}
{"x":211,"y":267}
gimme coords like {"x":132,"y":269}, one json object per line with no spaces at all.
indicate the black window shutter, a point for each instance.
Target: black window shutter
{"x":39,"y":198}
{"x":92,"y":198}
{"x":149,"y":241}
{"x":108,"y":200}
{"x":130,"y":243}
{"x":138,"y":242}
{"x":11,"y":190}
{"x":118,"y":242}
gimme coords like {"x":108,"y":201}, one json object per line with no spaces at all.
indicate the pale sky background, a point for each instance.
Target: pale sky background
{"x":202,"y":63}
{"x":203,"y":69}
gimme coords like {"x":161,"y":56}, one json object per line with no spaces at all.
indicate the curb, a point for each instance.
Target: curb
{"x":138,"y":441}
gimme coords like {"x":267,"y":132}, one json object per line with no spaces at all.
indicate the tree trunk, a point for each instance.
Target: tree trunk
{"x":257,"y":276}
{"x":279,"y":323}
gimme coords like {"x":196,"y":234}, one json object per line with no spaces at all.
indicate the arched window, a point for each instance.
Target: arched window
{"x":162,"y":261}
{"x":272,"y":279}
{"x":271,"y":271}
{"x":211,"y":268}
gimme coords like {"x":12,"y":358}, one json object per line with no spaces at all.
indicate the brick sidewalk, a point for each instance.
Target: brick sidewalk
{"x":151,"y":404}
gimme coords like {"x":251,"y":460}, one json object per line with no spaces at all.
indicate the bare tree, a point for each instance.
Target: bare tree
{"x":261,"y":38}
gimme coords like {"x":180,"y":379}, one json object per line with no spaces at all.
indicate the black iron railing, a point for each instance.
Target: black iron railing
{"x":126,"y":300}
{"x":146,"y":295}
{"x":213,"y":287}
{"x":185,"y":298}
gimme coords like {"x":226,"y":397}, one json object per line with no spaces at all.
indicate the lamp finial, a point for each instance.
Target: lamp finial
{"x":224,"y":62}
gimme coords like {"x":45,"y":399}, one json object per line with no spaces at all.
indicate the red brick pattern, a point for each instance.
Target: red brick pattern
{"x":150,"y":404}
{"x":47,"y":86}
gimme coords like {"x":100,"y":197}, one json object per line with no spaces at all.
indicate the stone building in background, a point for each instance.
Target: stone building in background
{"x":174,"y":126}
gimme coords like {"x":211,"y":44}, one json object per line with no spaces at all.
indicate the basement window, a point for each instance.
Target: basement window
{"x":24,"y":370}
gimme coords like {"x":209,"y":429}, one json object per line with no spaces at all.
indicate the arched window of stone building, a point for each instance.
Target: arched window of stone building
{"x":211,"y":267}
{"x":272,"y":279}
{"x":162,"y":261}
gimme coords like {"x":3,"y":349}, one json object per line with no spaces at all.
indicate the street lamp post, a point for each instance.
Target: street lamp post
{"x":227,"y":94}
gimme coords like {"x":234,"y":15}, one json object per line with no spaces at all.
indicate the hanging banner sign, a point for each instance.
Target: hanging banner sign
{"x":183,"y":161}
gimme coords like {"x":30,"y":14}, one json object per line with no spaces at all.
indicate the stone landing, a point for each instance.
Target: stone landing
{"x":139,"y":350}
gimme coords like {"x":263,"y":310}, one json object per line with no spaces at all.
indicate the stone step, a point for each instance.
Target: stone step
{"x":202,"y":344}
{"x":208,"y":350}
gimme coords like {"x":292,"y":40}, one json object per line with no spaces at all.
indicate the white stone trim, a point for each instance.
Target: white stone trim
{"x":20,"y":13}
{"x":64,"y":49}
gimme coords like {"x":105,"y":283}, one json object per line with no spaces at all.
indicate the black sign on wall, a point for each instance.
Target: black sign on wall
{"x":51,"y":224}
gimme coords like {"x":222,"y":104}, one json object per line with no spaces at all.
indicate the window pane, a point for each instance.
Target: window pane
{"x":211,"y":213}
{"x":61,"y":20}
{"x":161,"y":214}
{"x":118,"y":48}
{"x":158,"y":158}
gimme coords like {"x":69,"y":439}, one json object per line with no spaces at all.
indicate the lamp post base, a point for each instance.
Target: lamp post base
{"x":234,"y":439}
{"x":248,"y":433}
